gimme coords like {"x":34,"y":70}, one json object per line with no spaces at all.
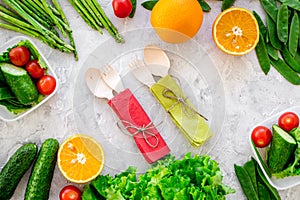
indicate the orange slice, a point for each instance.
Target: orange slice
{"x":236,"y":31}
{"x":80,"y":158}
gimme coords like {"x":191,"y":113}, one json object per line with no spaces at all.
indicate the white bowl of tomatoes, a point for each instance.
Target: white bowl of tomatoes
{"x":26,"y":79}
{"x":280,"y":134}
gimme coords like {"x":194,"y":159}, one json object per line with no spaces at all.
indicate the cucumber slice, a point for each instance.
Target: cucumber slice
{"x":20,"y":83}
{"x":282,"y":147}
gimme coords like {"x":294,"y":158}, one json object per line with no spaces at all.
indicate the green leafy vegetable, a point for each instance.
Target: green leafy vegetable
{"x":197,"y":177}
{"x":253,"y":182}
{"x":5,"y":93}
{"x":4,"y":57}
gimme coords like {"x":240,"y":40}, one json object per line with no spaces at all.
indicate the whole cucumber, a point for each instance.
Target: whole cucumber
{"x":39,"y":183}
{"x":15,"y":168}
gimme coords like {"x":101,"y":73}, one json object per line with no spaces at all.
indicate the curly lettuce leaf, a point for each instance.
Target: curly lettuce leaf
{"x":4,"y":57}
{"x":197,"y":177}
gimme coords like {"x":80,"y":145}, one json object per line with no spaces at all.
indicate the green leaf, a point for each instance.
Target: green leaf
{"x":204,"y":5}
{"x":6,"y":93}
{"x":149,"y":4}
{"x":133,"y":2}
{"x":198,"y":177}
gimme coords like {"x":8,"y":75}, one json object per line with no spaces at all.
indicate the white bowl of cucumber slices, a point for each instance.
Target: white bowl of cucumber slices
{"x":279,"y":159}
{"x":26,"y":79}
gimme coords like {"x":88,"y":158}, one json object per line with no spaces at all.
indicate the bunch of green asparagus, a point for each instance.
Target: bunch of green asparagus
{"x":39,"y":19}
{"x":92,"y":13}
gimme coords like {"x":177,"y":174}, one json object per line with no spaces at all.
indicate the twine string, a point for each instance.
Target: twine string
{"x":144,"y":130}
{"x":187,"y":108}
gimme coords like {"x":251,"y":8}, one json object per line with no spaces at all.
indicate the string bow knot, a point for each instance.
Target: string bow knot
{"x":144,"y":130}
{"x":187,"y":108}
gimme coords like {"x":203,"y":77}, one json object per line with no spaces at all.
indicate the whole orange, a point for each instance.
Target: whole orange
{"x":176,"y":21}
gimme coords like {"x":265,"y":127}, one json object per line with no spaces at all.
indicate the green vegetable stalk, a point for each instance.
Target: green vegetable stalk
{"x":254,"y":183}
{"x":197,"y":177}
{"x":92,"y":13}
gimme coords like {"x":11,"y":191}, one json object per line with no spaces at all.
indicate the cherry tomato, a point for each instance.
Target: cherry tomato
{"x":122,"y":8}
{"x":289,"y":120}
{"x":46,"y":84}
{"x":19,"y":56}
{"x":261,"y":136}
{"x":70,"y":192}
{"x":34,"y":69}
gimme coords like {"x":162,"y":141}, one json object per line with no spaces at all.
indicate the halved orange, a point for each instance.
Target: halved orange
{"x":80,"y":158}
{"x":236,"y":31}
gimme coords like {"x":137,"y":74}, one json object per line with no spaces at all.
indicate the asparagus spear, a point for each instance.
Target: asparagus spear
{"x":54,"y":10}
{"x":39,"y":9}
{"x":69,"y":30}
{"x":107,"y":23}
{"x":81,"y":14}
{"x":34,"y":34}
{"x":14,"y":20}
{"x":79,"y":4}
{"x":91,"y":8}
{"x":50,"y":13}
{"x":36,"y":16}
{"x":23,"y":30}
{"x":6,"y":11}
{"x":48,"y":34}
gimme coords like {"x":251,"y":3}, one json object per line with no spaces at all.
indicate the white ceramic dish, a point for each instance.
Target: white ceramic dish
{"x":280,"y":184}
{"x":5,"y":115}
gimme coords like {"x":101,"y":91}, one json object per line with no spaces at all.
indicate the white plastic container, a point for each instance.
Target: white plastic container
{"x":8,"y":116}
{"x":279,"y":184}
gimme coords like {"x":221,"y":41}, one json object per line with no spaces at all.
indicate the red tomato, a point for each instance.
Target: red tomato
{"x":122,"y":8}
{"x":34,"y":69}
{"x":289,"y":120}
{"x":46,"y":84}
{"x":70,"y":192}
{"x":261,"y":136}
{"x":19,"y":56}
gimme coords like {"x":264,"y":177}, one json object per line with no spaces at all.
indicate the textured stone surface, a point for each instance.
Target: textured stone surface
{"x":250,"y":97}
